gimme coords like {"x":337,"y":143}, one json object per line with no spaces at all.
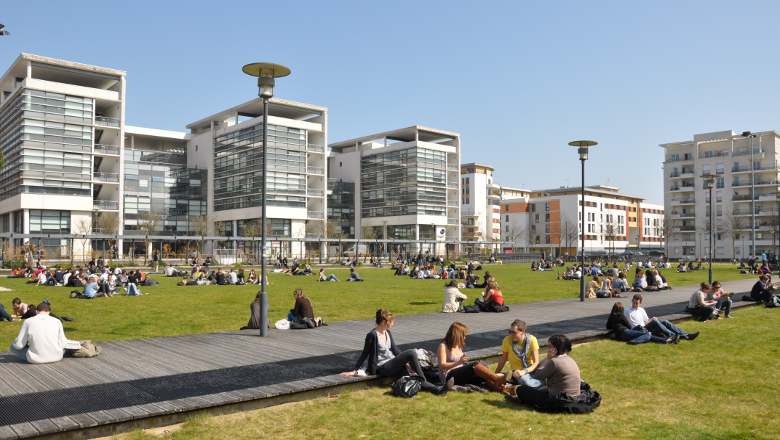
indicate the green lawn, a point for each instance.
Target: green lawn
{"x":170,"y":310}
{"x":720,"y":386}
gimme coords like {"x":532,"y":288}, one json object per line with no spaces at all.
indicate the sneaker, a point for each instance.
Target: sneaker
{"x":676,"y":339}
{"x":670,"y":340}
{"x":692,"y":336}
{"x":447,"y":387}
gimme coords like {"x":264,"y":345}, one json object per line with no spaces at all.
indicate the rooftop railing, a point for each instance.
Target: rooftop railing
{"x":106,"y":177}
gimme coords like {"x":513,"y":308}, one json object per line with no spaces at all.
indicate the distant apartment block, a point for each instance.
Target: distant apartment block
{"x":748,"y":178}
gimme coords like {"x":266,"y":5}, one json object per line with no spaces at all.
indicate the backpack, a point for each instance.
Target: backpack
{"x":407,"y":386}
{"x":298,"y":326}
{"x":87,"y":350}
{"x":470,"y":309}
{"x":773,"y":302}
{"x":495,"y":307}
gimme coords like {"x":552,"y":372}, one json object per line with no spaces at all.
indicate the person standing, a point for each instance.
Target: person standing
{"x":156,"y":259}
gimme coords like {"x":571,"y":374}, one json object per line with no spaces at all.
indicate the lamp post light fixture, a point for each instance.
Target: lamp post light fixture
{"x":265,"y":73}
{"x":2,"y":32}
{"x":710,"y":183}
{"x":748,"y":134}
{"x":582,"y":150}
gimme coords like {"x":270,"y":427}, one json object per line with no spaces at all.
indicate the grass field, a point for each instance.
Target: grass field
{"x":170,"y":310}
{"x":720,"y":386}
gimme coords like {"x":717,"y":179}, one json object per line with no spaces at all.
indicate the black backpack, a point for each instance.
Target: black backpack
{"x":495,"y":307}
{"x":407,"y":386}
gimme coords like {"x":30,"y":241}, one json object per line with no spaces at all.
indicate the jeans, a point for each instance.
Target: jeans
{"x":4,"y":316}
{"x":637,"y":337}
{"x":664,"y":327}
{"x":398,"y":364}
{"x":291,"y":317}
{"x":331,"y":277}
{"x":132,"y":289}
{"x":726,"y":304}
{"x":703,"y":312}
{"x":460,"y":303}
{"x":23,"y":352}
{"x":528,"y":380}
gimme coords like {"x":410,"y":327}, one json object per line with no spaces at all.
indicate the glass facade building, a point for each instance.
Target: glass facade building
{"x":403,"y":182}
{"x":341,"y":207}
{"x":238,"y":168}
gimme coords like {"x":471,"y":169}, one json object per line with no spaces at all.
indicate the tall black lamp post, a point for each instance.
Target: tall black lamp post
{"x":710,"y":181}
{"x":265,"y":73}
{"x":583,"y":152}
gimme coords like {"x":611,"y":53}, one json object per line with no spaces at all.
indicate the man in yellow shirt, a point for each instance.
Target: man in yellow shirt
{"x":522,"y":351}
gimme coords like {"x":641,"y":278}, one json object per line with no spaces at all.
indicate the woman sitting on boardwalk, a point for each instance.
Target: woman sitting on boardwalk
{"x":385,"y":359}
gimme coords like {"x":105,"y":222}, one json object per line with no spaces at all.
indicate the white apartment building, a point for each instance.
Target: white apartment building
{"x":70,"y":161}
{"x":549,"y":221}
{"x":405,"y":184}
{"x":748,"y":178}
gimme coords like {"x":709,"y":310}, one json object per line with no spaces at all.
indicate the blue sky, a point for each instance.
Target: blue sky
{"x":518,"y":80}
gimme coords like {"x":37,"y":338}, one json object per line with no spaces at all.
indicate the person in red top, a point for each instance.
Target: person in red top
{"x":492,"y":292}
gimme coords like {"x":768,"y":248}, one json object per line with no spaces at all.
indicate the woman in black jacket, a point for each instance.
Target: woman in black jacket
{"x":385,"y":359}
{"x":618,"y":323}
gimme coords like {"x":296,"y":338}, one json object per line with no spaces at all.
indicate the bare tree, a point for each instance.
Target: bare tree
{"x":733,"y":225}
{"x":515,"y":232}
{"x":667,"y":227}
{"x":84,"y":228}
{"x":201,"y":226}
{"x":107,"y":223}
{"x":254,"y":228}
{"x":569,"y":232}
{"x":149,"y":224}
{"x":555,"y":235}
{"x":611,"y":231}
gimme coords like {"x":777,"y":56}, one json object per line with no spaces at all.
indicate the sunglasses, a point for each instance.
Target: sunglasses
{"x":513,"y":332}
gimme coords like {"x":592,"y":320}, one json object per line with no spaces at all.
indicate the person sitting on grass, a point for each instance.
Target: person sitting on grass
{"x":681,"y":268}
{"x":220,"y":278}
{"x":492,"y":293}
{"x":762,"y":290}
{"x":558,"y":369}
{"x":330,"y":277}
{"x":20,"y":308}
{"x":42,"y":339}
{"x":453,"y":298}
{"x":522,"y":352}
{"x":386,"y":360}
{"x":640,"y":282}
{"x":232,"y":277}
{"x":592,"y":287}
{"x":719,"y":296}
{"x":132,"y":284}
{"x":567,"y":274}
{"x":353,"y":276}
{"x":484,"y":284}
{"x":640,"y":321}
{"x":453,"y":363}
{"x":461,"y":275}
{"x":699,"y":306}
{"x":619,"y":324}
{"x":17,"y":273}
{"x":660,"y":281}
{"x":307,"y":270}
{"x":471,"y":280}
{"x":303,"y":308}
{"x":252,"y":279}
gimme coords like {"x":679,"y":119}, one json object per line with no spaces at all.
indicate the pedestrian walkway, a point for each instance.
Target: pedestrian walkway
{"x":149,"y":379}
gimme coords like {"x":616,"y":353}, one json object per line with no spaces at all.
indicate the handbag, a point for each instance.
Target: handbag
{"x":407,"y":386}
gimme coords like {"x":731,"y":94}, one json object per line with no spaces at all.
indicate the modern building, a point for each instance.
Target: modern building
{"x":549,"y":221}
{"x":748,"y":183}
{"x":71,"y":164}
{"x":405,"y":185}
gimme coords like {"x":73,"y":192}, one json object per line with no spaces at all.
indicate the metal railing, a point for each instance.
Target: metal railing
{"x":105,"y":205}
{"x":106,"y":177}
{"x":452,"y":203}
{"x":683,"y":214}
{"x":758,"y":182}
{"x":452,"y":221}
{"x":687,"y":228}
{"x":453,"y":167}
{"x":106,"y":149}
{"x":317,"y":148}
{"x":315,"y":170}
{"x":315,"y":192}
{"x":747,"y":152}
{"x":745,"y":197}
{"x":707,"y":154}
{"x":452,"y":185}
{"x":108,"y":122}
{"x":745,"y":168}
{"x":315,"y":214}
{"x":683,"y":201}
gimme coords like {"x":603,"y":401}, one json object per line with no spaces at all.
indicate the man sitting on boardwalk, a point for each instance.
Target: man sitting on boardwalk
{"x":45,"y":337}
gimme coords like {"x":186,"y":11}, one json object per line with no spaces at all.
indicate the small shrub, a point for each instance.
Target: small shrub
{"x":360,"y":263}
{"x":341,"y":262}
{"x":63,"y":266}
{"x":13,"y":264}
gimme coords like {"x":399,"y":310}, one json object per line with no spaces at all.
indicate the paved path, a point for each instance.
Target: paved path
{"x":141,"y":378}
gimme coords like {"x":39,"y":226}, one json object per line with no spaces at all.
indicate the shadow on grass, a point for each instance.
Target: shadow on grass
{"x":503,"y":404}
{"x":423,"y":303}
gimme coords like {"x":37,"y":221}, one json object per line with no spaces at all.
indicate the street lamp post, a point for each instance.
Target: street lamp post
{"x":710,"y":183}
{"x":582,"y":150}
{"x":777,"y":197}
{"x":265,"y":73}
{"x":752,"y":195}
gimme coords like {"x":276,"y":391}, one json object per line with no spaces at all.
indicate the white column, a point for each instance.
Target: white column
{"x":26,"y":223}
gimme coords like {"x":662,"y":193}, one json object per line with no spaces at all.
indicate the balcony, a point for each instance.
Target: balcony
{"x":315,"y":214}
{"x":315,"y":170}
{"x":452,"y":185}
{"x":452,"y":203}
{"x":746,"y":169}
{"x":105,"y":205}
{"x":453,"y":221}
{"x":106,"y":177}
{"x":493,"y":186}
{"x":107,"y":122}
{"x":315,"y":193}
{"x":106,"y":149}
{"x":687,"y":228}
{"x":453,"y":168}
{"x":683,"y":215}
{"x":686,"y":158}
{"x":757,"y":183}
{"x":709,"y":154}
{"x":743,"y":197}
{"x":472,"y":235}
{"x":746,"y":152}
{"x":315,"y":148}
{"x":691,"y":201}
{"x":472,"y":224}
{"x":492,"y":196}
{"x":683,"y":175}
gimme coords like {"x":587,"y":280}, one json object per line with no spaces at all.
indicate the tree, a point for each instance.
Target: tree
{"x":667,"y":227}
{"x":516,"y":232}
{"x":107,"y":223}
{"x":569,"y":232}
{"x":555,"y":234}
{"x":84,"y":228}
{"x":732,"y":225}
{"x":149,"y":224}
{"x":200,"y":226}
{"x":611,"y":231}
{"x":254,"y":228}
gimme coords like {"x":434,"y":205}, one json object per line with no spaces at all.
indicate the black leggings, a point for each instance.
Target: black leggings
{"x":398,"y":364}
{"x":532,"y":396}
{"x":464,"y":375}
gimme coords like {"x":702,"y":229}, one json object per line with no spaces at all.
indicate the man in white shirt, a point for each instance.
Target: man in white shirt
{"x":232,"y":277}
{"x":104,"y":277}
{"x":637,"y":316}
{"x":45,"y":337}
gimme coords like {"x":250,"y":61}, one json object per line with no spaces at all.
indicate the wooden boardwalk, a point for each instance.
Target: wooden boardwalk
{"x":147,"y":378}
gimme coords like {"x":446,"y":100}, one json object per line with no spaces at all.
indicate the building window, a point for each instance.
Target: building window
{"x":47,"y":221}
{"x":507,"y":217}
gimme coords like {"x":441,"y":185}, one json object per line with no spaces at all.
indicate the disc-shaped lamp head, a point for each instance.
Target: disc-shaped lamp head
{"x":265,"y":73}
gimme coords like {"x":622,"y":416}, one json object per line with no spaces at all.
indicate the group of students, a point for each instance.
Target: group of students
{"x":491,"y":296}
{"x":530,"y":380}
